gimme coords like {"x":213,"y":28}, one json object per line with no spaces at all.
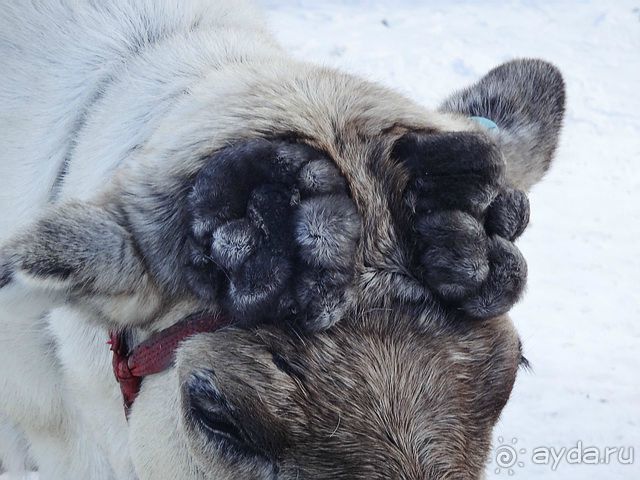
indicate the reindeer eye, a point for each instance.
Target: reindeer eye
{"x":216,"y":423}
{"x":213,"y":415}
{"x":221,"y":429}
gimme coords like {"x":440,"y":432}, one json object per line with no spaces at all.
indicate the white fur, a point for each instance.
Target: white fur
{"x":58,"y":396}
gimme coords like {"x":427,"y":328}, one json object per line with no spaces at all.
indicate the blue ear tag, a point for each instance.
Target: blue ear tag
{"x":486,"y":123}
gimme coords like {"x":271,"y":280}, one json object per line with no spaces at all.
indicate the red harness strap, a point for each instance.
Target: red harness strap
{"x":154,"y":355}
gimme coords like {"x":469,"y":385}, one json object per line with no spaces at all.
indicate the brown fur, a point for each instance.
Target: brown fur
{"x":377,"y":397}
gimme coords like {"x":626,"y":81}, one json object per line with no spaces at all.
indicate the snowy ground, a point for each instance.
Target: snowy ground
{"x":580,"y":320}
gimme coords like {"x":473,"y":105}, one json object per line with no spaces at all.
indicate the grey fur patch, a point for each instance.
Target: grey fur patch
{"x":508,"y":215}
{"x":233,"y":243}
{"x":505,"y":283}
{"x":455,"y":255}
{"x":327,"y":229}
{"x":451,"y":171}
{"x":257,"y":289}
{"x":320,"y":177}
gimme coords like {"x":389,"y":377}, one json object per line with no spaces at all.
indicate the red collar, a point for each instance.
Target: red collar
{"x":155,"y":354}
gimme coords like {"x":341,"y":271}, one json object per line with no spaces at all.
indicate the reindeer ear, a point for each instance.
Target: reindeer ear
{"x":525,"y":99}
{"x":77,"y":253}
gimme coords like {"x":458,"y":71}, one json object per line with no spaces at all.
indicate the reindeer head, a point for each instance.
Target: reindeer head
{"x":375,"y":397}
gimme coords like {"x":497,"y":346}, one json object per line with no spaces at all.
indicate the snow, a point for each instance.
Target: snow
{"x":580,"y":320}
